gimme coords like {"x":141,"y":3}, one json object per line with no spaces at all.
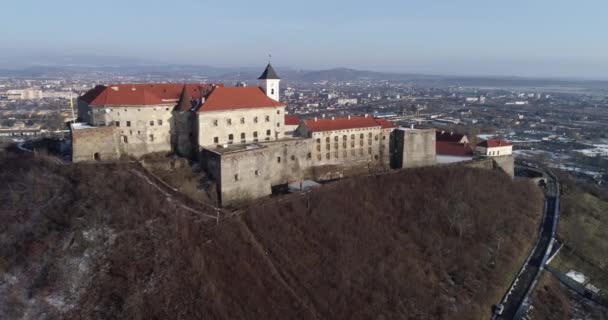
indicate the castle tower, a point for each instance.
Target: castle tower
{"x":269,"y":81}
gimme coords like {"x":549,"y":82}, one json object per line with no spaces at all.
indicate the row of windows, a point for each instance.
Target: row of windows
{"x":494,"y":153}
{"x":125,"y":139}
{"x":128,"y":123}
{"x":344,"y":145}
{"x":243,"y":137}
{"x":125,"y":110}
{"x":242,"y":120}
{"x":345,"y":154}
{"x":352,"y":137}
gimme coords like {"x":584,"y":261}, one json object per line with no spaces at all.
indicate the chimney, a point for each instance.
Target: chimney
{"x":349,"y":117}
{"x":366,"y":115}
{"x":333,"y":118}
{"x":412,"y":126}
{"x":315,"y":119}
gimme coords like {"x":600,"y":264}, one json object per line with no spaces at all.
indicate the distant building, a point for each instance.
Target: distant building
{"x":344,"y":101}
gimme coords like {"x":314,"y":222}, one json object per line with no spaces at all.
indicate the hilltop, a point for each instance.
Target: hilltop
{"x":95,"y":241}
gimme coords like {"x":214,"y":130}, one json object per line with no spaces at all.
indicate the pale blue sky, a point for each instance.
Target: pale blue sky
{"x":469,"y":37}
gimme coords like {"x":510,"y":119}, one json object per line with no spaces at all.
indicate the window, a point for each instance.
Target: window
{"x":230,"y":138}
{"x":255,"y":134}
{"x":336,"y":138}
{"x":369,"y":135}
{"x":352,"y":144}
{"x":327,"y":156}
{"x":128,"y":123}
{"x":361,"y":136}
{"x":124,"y":139}
{"x":267,"y":132}
{"x":267,"y":118}
{"x":257,"y":173}
{"x":216,"y":139}
{"x":336,"y":154}
{"x":278,"y":124}
{"x":327,"y":146}
{"x":369,"y":150}
{"x":344,"y":137}
{"x":369,"y":142}
{"x":318,"y":147}
{"x":255,"y":119}
{"x":215,"y":123}
{"x":242,"y":135}
{"x":272,"y":91}
{"x":383,"y":137}
{"x":278,"y":111}
{"x":319,"y":157}
{"x":236,"y":177}
{"x":229,"y":121}
{"x":318,"y":140}
{"x":117,"y":123}
{"x":344,"y":144}
{"x":352,"y":136}
{"x":497,"y":153}
{"x":160,"y":122}
{"x":293,"y":158}
{"x":152,"y":123}
{"x":361,"y":143}
{"x":242,"y":120}
{"x":308,"y":155}
{"x":327,"y":140}
{"x":376,"y":138}
{"x":278,"y":159}
{"x":151,"y":137}
{"x":376,"y":157}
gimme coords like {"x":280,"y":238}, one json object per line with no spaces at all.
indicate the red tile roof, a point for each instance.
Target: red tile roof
{"x":142,"y":93}
{"x":292,"y":120}
{"x":329,"y":124}
{"x":493,"y":143}
{"x":448,"y":136}
{"x":447,"y":148}
{"x":90,"y":95}
{"x":228,"y":98}
{"x":385,"y":124}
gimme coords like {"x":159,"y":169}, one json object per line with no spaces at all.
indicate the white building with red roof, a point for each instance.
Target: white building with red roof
{"x":494,"y":148}
{"x":346,"y":139}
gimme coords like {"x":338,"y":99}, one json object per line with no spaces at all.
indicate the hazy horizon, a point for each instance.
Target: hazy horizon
{"x":544,"y":39}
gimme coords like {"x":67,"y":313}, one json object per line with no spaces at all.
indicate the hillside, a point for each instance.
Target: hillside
{"x":96,"y":242}
{"x":583,"y":229}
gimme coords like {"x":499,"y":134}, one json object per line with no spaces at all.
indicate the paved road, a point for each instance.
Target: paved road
{"x":515,"y":299}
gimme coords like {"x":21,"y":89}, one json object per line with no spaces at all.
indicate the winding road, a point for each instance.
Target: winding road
{"x":515,"y":300}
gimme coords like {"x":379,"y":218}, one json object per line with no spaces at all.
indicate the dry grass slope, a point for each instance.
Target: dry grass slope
{"x":439,"y":243}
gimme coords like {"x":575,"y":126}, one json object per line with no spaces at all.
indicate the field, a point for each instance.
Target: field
{"x":97,"y":242}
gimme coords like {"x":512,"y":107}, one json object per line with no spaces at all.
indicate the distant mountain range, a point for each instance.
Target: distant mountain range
{"x":109,"y":67}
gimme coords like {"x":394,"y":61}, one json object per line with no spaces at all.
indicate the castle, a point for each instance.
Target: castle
{"x":240,"y":135}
